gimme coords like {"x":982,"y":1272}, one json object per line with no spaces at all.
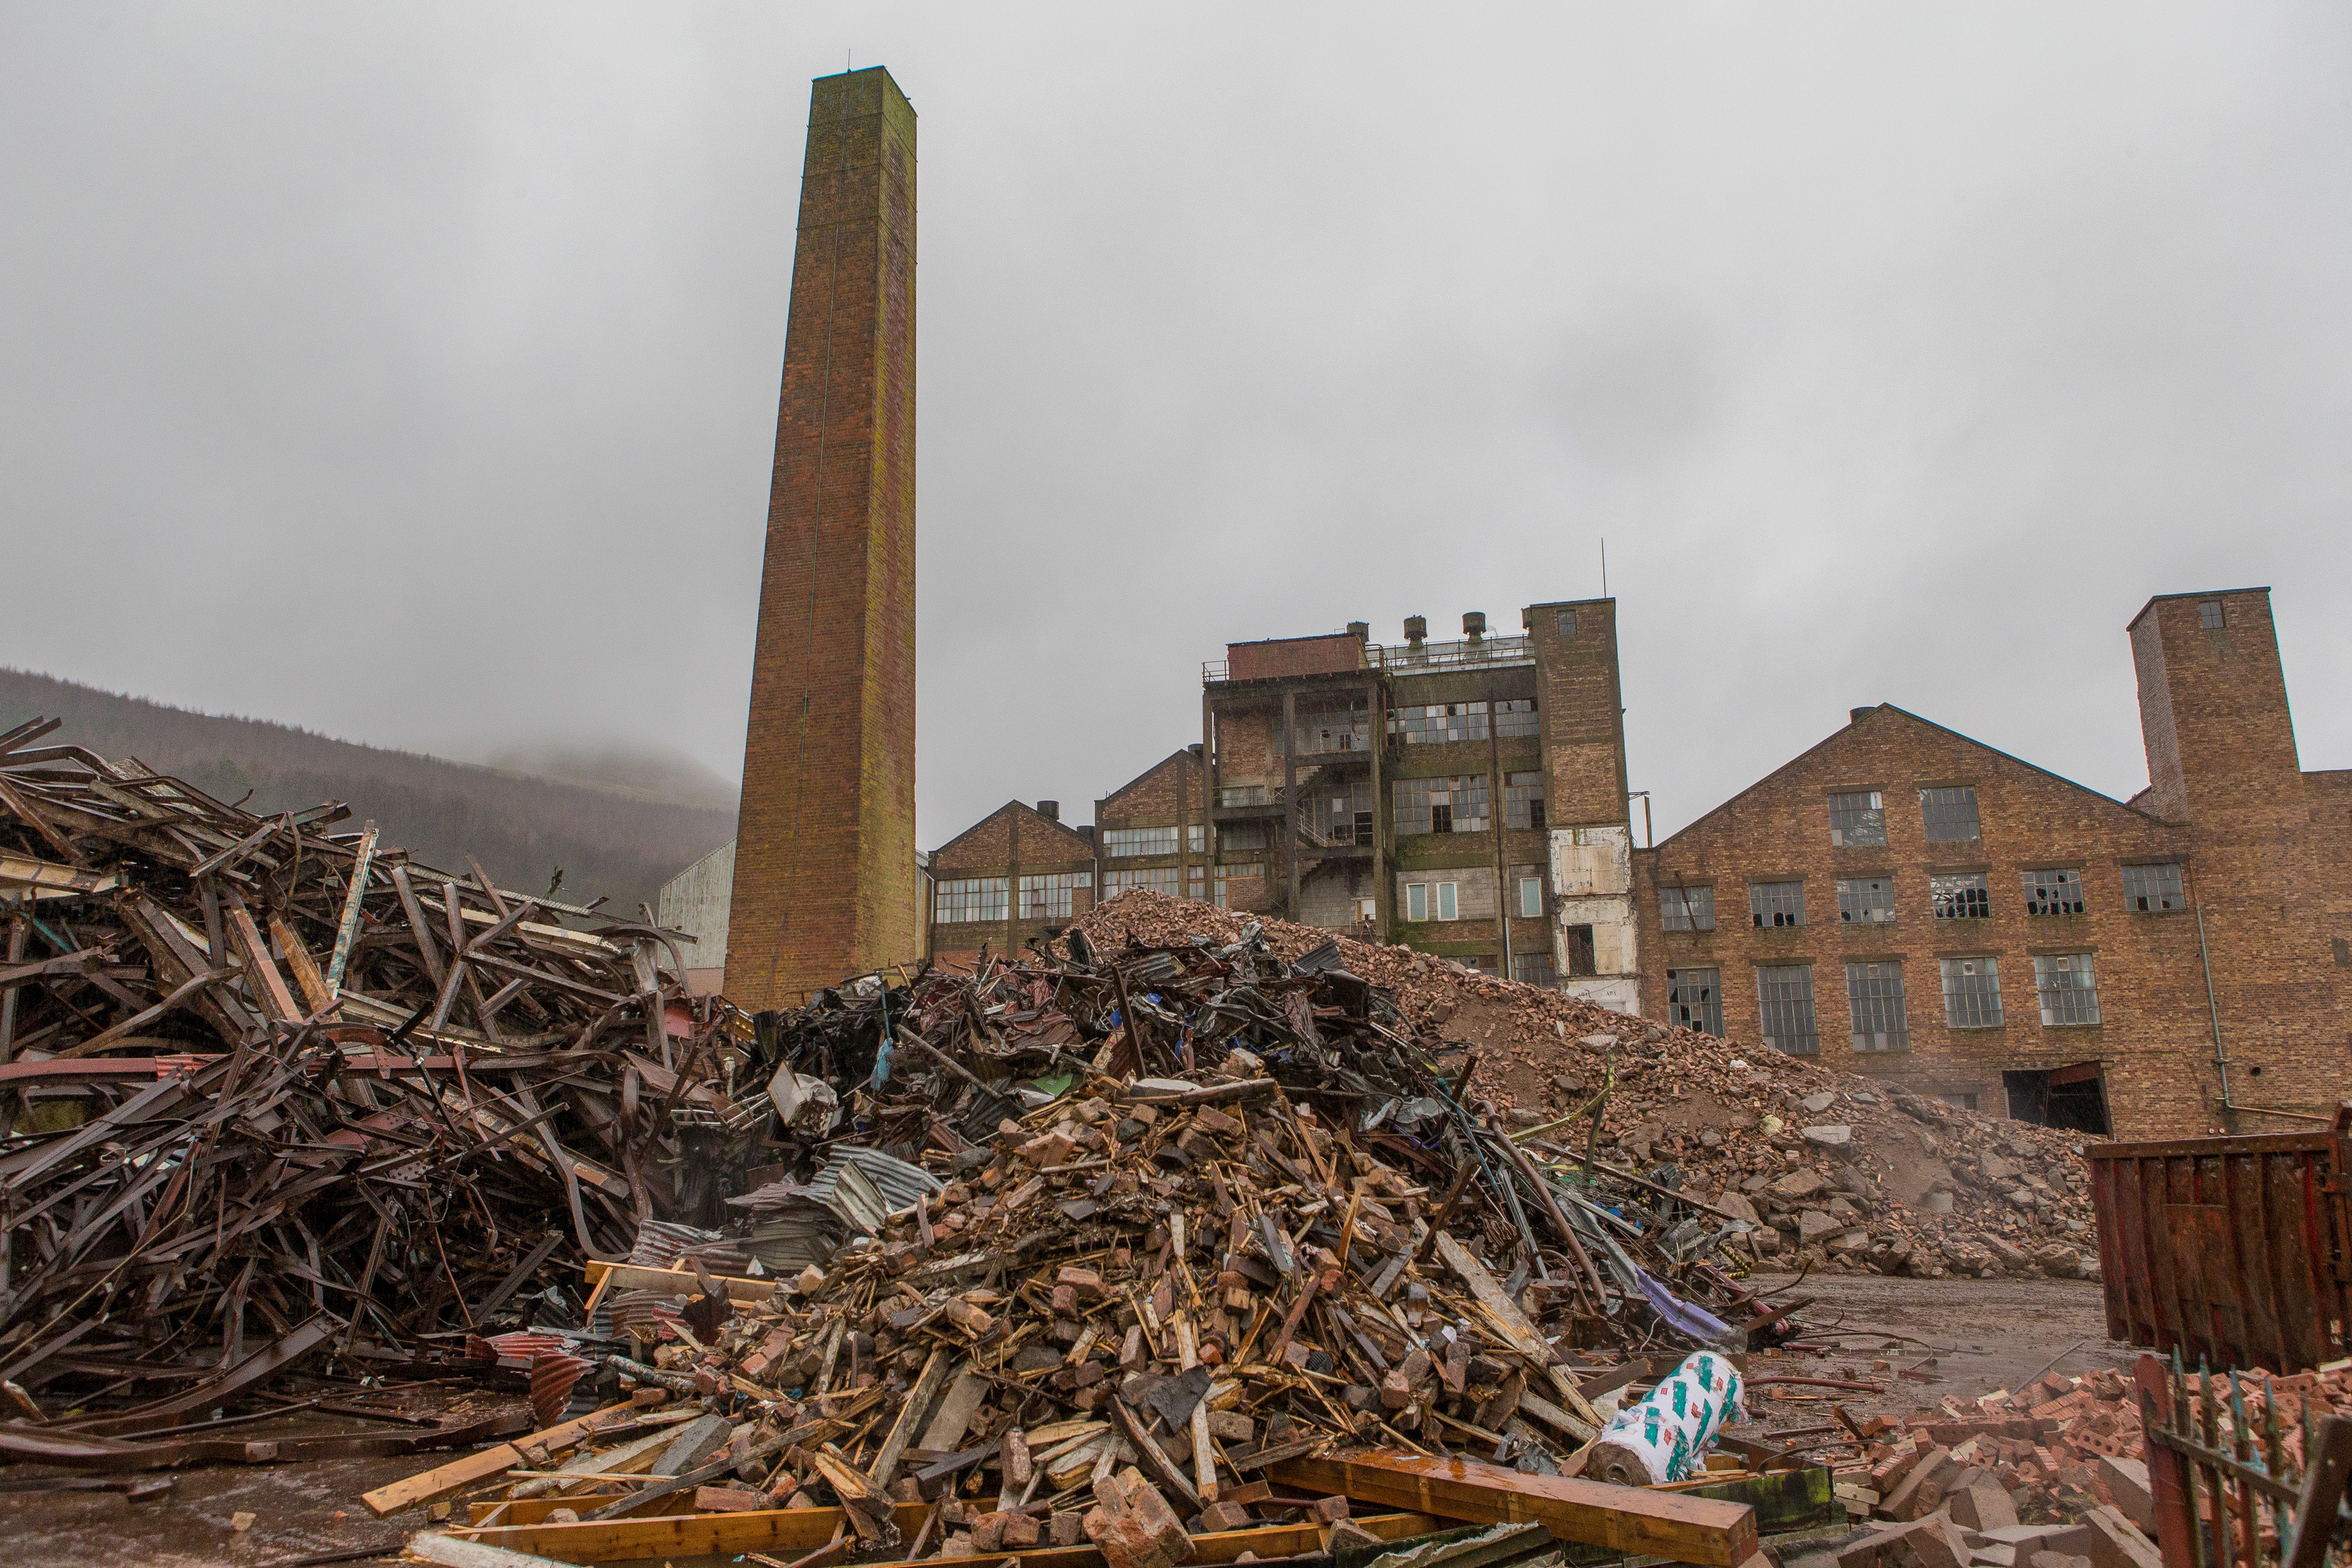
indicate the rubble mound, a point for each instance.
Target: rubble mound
{"x":1844,"y":1172}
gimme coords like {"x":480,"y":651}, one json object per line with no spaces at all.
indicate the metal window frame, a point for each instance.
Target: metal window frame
{"x":2046,"y":899}
{"x":1113,"y":843}
{"x":1535,"y":969}
{"x":1756,"y":913}
{"x":990,"y":898}
{"x":1861,"y":911}
{"x":1936,"y":812}
{"x":2068,"y":995}
{"x":1964,"y":1004}
{"x":1690,"y":919}
{"x":1779,"y":1011}
{"x":1841,"y":832}
{"x":1703,"y":1013}
{"x":1871,"y":987}
{"x":2136,"y":902}
{"x":1949,"y":896}
{"x":1517,"y":718}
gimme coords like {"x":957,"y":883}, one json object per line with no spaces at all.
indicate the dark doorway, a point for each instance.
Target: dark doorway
{"x":2074,"y":1098}
{"x":1579,"y":951}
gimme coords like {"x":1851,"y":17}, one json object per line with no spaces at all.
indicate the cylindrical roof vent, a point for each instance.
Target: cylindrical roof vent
{"x":1473,"y":625}
{"x":1051,"y":810}
{"x":1416,"y":630}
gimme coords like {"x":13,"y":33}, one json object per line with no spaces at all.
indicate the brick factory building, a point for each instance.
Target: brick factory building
{"x":1901,"y":900}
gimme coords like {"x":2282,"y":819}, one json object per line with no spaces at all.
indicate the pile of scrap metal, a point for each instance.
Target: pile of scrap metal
{"x":276,"y":1099}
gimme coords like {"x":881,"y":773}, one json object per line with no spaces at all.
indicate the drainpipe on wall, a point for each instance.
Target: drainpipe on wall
{"x":2221,"y":1056}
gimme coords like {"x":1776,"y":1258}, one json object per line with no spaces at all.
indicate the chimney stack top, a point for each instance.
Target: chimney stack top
{"x":1416,"y":630}
{"x":1051,"y":810}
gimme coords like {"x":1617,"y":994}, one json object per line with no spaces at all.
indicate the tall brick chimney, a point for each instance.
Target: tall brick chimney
{"x":825,"y":856}
{"x":2212,"y":705}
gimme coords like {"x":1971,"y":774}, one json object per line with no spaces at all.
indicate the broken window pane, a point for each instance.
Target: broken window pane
{"x":1523,"y":801}
{"x":1776,"y":903}
{"x":1333,"y":727}
{"x":1437,"y":721}
{"x":1048,"y":896}
{"x":1159,"y":879}
{"x":1686,"y":909}
{"x":1241,"y":838}
{"x":1534,"y":969}
{"x":1125,"y":843}
{"x":1960,"y":897}
{"x":1694,"y":1000}
{"x":1865,"y":900}
{"x":1784,"y":995}
{"x":1241,"y":795}
{"x":1515,"y":718}
{"x":1580,"y":960}
{"x":1948,"y":815}
{"x":1972,"y":992}
{"x":970,"y":899}
{"x":2208,"y":614}
{"x":1195,"y":835}
{"x":1343,"y":815}
{"x":1875,"y":992}
{"x":1456,"y":805}
{"x":2152,"y":889}
{"x":2054,"y":892}
{"x":2069,"y":988}
{"x":1857,"y":818}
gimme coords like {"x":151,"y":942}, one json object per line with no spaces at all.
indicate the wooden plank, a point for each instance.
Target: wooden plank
{"x":347,"y":930}
{"x":676,"y":1283}
{"x":902,"y":1430}
{"x":1678,"y":1528}
{"x":798,"y":1531}
{"x":956,"y":1411}
{"x":269,"y":986}
{"x":1514,"y":1322}
{"x":305,"y":973}
{"x":439,"y":1482}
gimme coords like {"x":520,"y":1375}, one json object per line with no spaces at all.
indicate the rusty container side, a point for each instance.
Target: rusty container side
{"x":2237,"y":1251}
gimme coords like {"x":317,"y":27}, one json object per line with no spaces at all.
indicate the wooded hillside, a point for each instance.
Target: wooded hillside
{"x":522,"y":828}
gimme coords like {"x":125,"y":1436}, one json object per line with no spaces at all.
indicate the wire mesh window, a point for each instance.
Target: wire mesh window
{"x":1949,"y":816}
{"x":2056,"y":892}
{"x":1241,"y":795}
{"x":970,"y":899}
{"x":1159,"y":879}
{"x":1771,"y":904}
{"x":1866,"y":900}
{"x":1241,"y":838}
{"x":1694,"y":999}
{"x":1534,"y":969}
{"x":1456,"y":805}
{"x":1523,"y":801}
{"x":1960,"y":897}
{"x":1432,"y":722}
{"x":1125,"y":843}
{"x":1515,"y":717}
{"x":1336,"y":727}
{"x":1686,"y":909}
{"x":2209,"y":616}
{"x":2069,"y":988}
{"x":1048,"y":896}
{"x":1874,"y":994}
{"x":2152,"y":889}
{"x":1530,"y":898}
{"x":1972,"y":992}
{"x":1857,"y":818}
{"x":1784,"y":997}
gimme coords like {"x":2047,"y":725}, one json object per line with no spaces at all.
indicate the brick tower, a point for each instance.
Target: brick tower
{"x":824,"y":860}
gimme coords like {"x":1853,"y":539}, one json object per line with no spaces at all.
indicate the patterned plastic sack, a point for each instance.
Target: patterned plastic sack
{"x":1674,"y":1428}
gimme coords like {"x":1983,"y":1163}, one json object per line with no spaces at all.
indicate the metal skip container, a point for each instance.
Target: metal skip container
{"x":2236,"y":1251}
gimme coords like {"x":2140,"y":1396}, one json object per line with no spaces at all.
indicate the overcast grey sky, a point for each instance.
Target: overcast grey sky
{"x":409,"y":372}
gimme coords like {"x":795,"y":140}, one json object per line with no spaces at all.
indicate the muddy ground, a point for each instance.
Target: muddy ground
{"x":1981,"y":1335}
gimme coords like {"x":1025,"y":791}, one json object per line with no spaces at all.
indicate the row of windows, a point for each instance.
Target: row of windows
{"x":1047,"y":896}
{"x":1129,"y":843}
{"x":1421,"y":898}
{"x":1430,"y":722}
{"x":1964,"y":894}
{"x":1948,"y":814}
{"x":1459,"y":803}
{"x":2065,"y":987}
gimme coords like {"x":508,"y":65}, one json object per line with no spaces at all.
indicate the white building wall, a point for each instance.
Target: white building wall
{"x":696,"y":901}
{"x":1593,"y":884}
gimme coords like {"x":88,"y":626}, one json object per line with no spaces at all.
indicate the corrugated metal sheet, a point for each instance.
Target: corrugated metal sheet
{"x":897,"y":1183}
{"x":2236,"y":1250}
{"x":552,"y":1375}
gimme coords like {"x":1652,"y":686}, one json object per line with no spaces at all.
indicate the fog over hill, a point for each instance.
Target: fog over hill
{"x":618,"y":821}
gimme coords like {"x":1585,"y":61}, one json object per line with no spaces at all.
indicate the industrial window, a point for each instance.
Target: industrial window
{"x":1784,"y":995}
{"x":1694,"y":1000}
{"x":1530,"y":898}
{"x":1416,"y":900}
{"x":1241,"y":795}
{"x":1241,"y":838}
{"x":1776,"y":903}
{"x":1125,"y":843}
{"x":1686,"y":909}
{"x":1048,"y":896}
{"x":1866,"y":900}
{"x":1159,"y":879}
{"x":1875,"y":992}
{"x":2054,"y":892}
{"x":1223,"y":886}
{"x":2069,"y":988}
{"x":1343,"y":815}
{"x":1456,"y":805}
{"x":1960,"y":897}
{"x":1949,"y":815}
{"x":1972,"y":992}
{"x":1857,"y":818}
{"x":1196,"y":836}
{"x":972,"y":898}
{"x":2210,"y":616}
{"x":1580,"y":958}
{"x":1198,"y":889}
{"x":2152,"y":889}
{"x":1440,"y":722}
{"x":1447,"y":908}
{"x":1515,"y":717}
{"x":1534,"y":969}
{"x":1338,"y":727}
{"x":1523,"y":801}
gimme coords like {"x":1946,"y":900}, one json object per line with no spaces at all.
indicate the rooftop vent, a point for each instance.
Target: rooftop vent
{"x":1361,"y":630}
{"x":1857,"y":715}
{"x":1051,"y":810}
{"x":1473,"y":625}
{"x":1416,"y":630}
